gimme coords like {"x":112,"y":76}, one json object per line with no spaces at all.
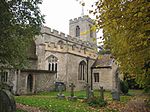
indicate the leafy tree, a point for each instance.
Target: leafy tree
{"x":20,"y":21}
{"x":125,"y":25}
{"x":132,"y":84}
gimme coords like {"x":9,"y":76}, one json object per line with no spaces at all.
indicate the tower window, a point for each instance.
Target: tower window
{"x":77,"y":31}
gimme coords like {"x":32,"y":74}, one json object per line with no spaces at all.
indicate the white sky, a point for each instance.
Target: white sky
{"x":59,"y":12}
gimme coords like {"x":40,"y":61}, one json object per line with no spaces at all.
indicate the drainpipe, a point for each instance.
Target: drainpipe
{"x":87,"y":59}
{"x":91,"y":78}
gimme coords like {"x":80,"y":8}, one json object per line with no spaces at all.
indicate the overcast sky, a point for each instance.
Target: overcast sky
{"x":59,"y":12}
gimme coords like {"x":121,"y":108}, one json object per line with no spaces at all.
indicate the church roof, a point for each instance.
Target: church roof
{"x":103,"y":61}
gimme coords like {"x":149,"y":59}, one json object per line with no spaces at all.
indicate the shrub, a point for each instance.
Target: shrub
{"x":124,"y":87}
{"x":94,"y":102}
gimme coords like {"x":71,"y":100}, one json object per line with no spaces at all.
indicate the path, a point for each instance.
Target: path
{"x":28,"y":108}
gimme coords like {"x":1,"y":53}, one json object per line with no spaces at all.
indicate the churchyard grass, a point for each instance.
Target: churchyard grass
{"x":48,"y":101}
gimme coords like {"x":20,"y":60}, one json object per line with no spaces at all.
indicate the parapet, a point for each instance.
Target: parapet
{"x":57,"y":34}
{"x":75,"y":20}
{"x":45,"y":29}
{"x":49,"y":31}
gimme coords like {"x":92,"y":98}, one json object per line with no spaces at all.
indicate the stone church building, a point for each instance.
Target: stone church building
{"x":56,"y":57}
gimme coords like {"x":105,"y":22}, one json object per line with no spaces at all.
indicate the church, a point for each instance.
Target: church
{"x":55,"y":57}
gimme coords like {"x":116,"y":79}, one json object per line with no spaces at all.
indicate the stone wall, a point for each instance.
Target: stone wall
{"x":107,"y":77}
{"x":84,"y":23}
{"x":40,"y":82}
{"x":44,"y":82}
{"x":70,"y":51}
{"x":73,"y":71}
{"x":61,"y":64}
{"x":54,"y":36}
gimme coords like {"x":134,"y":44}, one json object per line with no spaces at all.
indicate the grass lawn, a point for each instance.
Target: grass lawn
{"x":47,"y":101}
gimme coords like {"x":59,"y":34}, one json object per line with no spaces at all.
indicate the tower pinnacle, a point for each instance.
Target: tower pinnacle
{"x":82,"y":3}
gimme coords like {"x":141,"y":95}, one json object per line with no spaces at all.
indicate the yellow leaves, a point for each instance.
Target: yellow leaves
{"x":92,"y":29}
{"x":94,"y":39}
{"x":140,"y":14}
{"x":84,"y":33}
{"x":100,"y":42}
{"x":100,"y":57}
{"x":145,"y":43}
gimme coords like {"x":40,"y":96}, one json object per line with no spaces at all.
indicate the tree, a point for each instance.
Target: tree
{"x":20,"y":21}
{"x":125,"y":25}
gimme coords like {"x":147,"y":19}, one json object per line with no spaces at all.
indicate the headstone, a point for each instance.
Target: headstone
{"x":116,"y":89}
{"x":60,"y":95}
{"x":115,"y":95}
{"x":7,"y":101}
{"x":101,"y":91}
{"x":87,"y":86}
{"x":72,"y":97}
{"x":91,"y":94}
{"x":57,"y":84}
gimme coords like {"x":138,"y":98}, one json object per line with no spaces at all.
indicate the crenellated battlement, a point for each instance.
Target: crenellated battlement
{"x":71,"y":48}
{"x":49,"y":31}
{"x":60,"y":42}
{"x":75,"y":20}
{"x":60,"y":35}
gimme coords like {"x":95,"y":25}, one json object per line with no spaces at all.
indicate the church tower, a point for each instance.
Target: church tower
{"x":82,"y":28}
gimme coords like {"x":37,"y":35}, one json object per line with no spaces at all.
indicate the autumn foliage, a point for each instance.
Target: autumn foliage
{"x":126,"y":30}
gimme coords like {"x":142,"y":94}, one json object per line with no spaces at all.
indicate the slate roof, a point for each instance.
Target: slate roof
{"x":103,"y":61}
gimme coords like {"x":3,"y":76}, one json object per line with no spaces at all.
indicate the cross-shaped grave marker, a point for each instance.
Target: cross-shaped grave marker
{"x":101,"y":91}
{"x":87,"y":86}
{"x":72,"y":89}
{"x":72,"y":97}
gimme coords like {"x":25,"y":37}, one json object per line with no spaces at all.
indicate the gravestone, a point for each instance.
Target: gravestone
{"x":116,"y":90}
{"x":101,"y":91}
{"x":115,"y":95}
{"x":72,"y":97}
{"x":60,"y":95}
{"x":87,"y":86}
{"x":91,"y":94}
{"x":7,"y":101}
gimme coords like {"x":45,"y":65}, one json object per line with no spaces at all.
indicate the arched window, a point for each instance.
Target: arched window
{"x":3,"y":76}
{"x":52,"y":63}
{"x":82,"y":70}
{"x":30,"y":83}
{"x":77,"y":31}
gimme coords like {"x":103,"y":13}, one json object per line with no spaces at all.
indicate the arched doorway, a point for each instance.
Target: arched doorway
{"x":29,"y":83}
